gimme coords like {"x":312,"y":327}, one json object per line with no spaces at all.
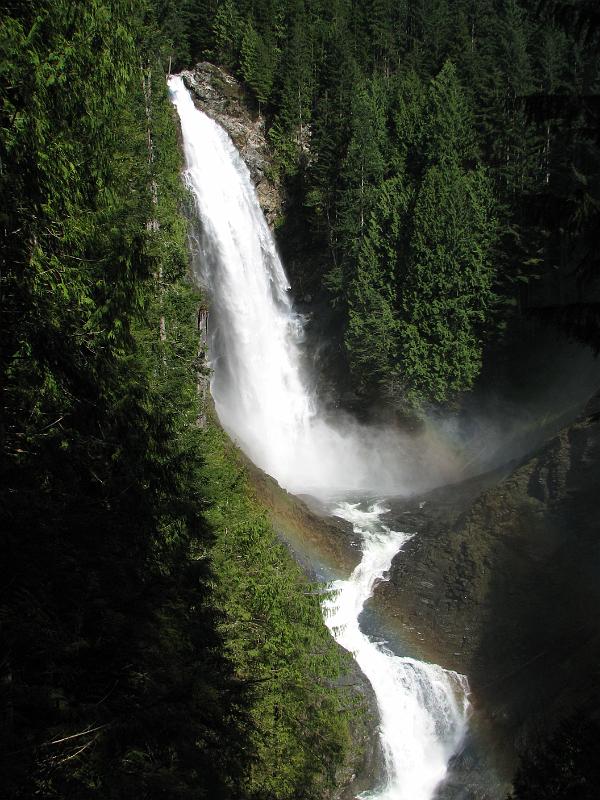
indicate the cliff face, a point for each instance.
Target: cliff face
{"x":508,"y":590}
{"x":220,"y":96}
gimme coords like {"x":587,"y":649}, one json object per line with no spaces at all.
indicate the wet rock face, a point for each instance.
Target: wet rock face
{"x":365,"y":769}
{"x":219,"y":95}
{"x":505,"y":586}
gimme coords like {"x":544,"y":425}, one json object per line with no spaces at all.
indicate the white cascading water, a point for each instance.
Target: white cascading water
{"x":423,"y":708}
{"x":262,"y":400}
{"x":255,"y":337}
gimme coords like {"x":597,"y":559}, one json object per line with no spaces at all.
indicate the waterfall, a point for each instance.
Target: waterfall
{"x":255,"y":339}
{"x":262,"y":399}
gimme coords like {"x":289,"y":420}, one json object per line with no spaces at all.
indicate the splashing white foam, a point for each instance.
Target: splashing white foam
{"x":423,"y":708}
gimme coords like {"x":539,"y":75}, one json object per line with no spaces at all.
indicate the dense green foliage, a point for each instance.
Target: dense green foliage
{"x":421,"y":280}
{"x":274,"y":636}
{"x":444,"y":155}
{"x":156,"y":640}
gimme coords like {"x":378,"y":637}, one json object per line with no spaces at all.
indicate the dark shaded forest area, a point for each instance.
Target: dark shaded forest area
{"x":156,"y":639}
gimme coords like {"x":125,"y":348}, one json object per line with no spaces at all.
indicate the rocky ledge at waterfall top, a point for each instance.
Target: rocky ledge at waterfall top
{"x":221,"y":96}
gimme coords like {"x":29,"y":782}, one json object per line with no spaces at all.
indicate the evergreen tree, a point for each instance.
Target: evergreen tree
{"x":445,"y":288}
{"x":407,"y":124}
{"x":294,"y":92}
{"x":330,"y":135}
{"x":436,"y":23}
{"x":361,"y":171}
{"x":382,"y":18}
{"x":227,"y":34}
{"x":449,"y":131}
{"x":371,"y":336}
{"x":257,"y":63}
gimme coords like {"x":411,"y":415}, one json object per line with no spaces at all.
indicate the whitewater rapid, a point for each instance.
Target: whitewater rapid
{"x":263,"y":400}
{"x":423,"y":708}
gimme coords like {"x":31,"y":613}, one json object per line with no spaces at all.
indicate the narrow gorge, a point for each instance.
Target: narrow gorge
{"x":264,"y":403}
{"x":300,"y":400}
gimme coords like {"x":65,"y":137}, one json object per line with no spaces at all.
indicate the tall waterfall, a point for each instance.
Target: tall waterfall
{"x":262,"y":399}
{"x":255,"y":337}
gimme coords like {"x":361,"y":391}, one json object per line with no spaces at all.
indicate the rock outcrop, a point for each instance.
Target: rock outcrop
{"x":221,"y":96}
{"x":506,"y":587}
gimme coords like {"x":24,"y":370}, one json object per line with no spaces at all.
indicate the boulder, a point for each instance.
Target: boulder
{"x":224,"y":99}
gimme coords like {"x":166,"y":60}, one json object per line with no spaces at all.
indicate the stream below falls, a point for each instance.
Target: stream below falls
{"x":422,"y":707}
